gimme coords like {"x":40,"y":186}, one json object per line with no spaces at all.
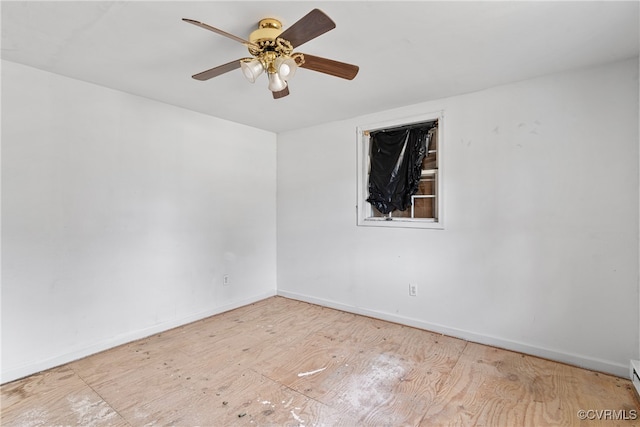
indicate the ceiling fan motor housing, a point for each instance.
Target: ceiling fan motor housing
{"x":268,"y":29}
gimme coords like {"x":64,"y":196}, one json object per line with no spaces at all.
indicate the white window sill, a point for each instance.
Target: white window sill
{"x":401,"y":223}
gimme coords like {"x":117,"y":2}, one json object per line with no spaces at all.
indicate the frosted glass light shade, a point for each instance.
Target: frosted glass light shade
{"x":252,"y":69}
{"x":286,"y":67}
{"x":276,"y":84}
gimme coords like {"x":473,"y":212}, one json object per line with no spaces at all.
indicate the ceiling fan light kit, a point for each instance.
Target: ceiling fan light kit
{"x":286,"y":66}
{"x":276,"y":83}
{"x":272,"y":52}
{"x":251,"y":68}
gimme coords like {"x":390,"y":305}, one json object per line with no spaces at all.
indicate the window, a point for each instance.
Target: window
{"x":400,"y":173}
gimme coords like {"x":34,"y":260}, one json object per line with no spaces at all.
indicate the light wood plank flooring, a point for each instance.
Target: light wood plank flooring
{"x":281,"y":362}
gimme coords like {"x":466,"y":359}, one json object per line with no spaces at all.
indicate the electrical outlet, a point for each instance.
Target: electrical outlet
{"x":413,"y":289}
{"x":225,"y":280}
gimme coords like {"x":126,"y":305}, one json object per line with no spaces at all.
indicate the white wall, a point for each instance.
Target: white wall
{"x":120,"y":216}
{"x":540,"y":248}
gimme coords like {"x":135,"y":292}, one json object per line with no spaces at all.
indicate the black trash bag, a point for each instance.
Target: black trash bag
{"x":396,"y":165}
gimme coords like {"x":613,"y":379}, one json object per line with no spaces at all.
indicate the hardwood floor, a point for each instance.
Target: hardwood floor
{"x":281,"y":362}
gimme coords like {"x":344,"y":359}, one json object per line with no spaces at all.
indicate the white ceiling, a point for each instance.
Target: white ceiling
{"x":408,"y":52}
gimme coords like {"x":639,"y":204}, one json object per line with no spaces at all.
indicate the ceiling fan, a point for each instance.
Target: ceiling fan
{"x":272,"y":52}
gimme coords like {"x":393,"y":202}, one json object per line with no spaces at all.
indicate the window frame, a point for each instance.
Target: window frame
{"x":364,"y":209}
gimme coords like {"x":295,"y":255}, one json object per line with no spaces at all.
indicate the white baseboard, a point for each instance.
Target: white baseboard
{"x":598,"y":365}
{"x":85,"y":350}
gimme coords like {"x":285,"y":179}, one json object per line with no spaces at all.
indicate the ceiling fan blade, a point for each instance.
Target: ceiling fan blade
{"x":216,"y":71}
{"x":281,"y":94}
{"x":329,"y":66}
{"x":308,"y":27}
{"x":218,"y":31}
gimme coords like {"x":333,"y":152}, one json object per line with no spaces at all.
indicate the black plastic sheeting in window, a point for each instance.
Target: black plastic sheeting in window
{"x":395,"y":165}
